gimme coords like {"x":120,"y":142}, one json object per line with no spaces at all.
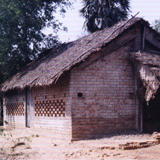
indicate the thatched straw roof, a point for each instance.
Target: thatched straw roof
{"x":47,"y":70}
{"x":149,"y":72}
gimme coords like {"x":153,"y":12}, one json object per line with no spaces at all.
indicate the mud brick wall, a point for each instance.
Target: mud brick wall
{"x":14,"y":109}
{"x":52,"y":109}
{"x":102,"y":94}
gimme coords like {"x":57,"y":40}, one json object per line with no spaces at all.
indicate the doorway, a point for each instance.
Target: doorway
{"x":151,"y":115}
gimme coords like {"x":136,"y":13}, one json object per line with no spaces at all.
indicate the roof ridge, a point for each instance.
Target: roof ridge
{"x":98,"y":43}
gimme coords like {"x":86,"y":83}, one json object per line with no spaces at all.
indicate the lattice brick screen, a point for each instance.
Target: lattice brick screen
{"x":15,"y":109}
{"x":50,"y":108}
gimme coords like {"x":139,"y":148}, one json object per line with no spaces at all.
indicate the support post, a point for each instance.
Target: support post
{"x":143,"y":37}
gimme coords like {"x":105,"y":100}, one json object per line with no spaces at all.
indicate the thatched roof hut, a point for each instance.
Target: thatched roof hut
{"x":48,"y":69}
{"x":92,"y":86}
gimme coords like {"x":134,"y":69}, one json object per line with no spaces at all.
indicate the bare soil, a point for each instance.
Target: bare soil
{"x":31,"y":145}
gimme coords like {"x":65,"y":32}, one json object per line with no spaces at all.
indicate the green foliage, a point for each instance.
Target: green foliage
{"x":100,"y":14}
{"x":156,"y":25}
{"x":21,"y":36}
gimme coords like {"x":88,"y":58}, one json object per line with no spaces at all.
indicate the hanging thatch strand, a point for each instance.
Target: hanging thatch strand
{"x":150,"y":81}
{"x":149,"y":72}
{"x":47,"y":70}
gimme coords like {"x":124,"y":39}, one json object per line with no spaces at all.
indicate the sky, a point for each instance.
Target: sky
{"x":148,"y":9}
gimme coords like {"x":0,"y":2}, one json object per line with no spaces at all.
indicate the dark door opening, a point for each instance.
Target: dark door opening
{"x":27,"y":108}
{"x":151,"y":115}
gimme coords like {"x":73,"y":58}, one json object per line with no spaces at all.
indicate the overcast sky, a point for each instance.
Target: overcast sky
{"x":149,"y":10}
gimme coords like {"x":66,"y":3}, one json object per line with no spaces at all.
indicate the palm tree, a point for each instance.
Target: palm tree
{"x":100,"y":14}
{"x":156,"y":25}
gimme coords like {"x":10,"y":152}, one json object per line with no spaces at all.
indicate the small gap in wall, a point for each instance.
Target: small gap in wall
{"x":131,"y":95}
{"x":80,"y":95}
{"x":64,"y":94}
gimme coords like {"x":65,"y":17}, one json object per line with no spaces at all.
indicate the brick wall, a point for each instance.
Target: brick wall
{"x":14,"y":109}
{"x":49,"y":108}
{"x":52,"y":109}
{"x":102,"y":94}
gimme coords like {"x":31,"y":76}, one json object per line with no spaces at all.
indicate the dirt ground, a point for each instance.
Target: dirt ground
{"x":29,"y":145}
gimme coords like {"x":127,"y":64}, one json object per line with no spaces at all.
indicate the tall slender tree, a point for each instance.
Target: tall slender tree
{"x":21,"y":31}
{"x":100,"y":14}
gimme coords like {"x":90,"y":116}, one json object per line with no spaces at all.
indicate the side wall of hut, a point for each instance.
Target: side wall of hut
{"x":42,"y":108}
{"x":103,"y":95}
{"x":14,"y":109}
{"x":52,"y":109}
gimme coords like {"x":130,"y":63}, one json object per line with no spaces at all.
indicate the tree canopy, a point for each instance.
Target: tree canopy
{"x":100,"y":14}
{"x":21,"y":35}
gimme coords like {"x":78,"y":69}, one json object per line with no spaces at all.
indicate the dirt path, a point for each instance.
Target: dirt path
{"x":18,"y":145}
